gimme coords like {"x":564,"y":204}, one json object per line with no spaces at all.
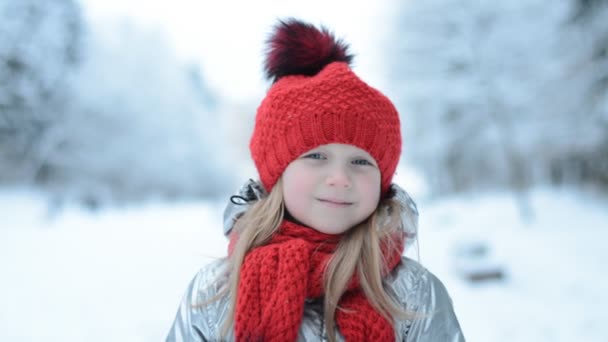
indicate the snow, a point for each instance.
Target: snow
{"x":554,"y":289}
{"x":118,"y":274}
{"x":115,"y":275}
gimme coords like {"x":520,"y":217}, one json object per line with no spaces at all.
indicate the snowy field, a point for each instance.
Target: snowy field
{"x":119,"y":274}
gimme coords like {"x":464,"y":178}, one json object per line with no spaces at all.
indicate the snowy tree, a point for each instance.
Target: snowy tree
{"x":40,"y":45}
{"x":103,"y":112}
{"x":586,"y":95}
{"x":144,"y":124}
{"x":485,"y":93}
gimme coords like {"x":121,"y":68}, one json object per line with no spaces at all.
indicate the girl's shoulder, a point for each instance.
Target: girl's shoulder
{"x":212,"y":270}
{"x":201,"y":311}
{"x":416,"y":287}
{"x":421,"y":293}
{"x":207,"y":282}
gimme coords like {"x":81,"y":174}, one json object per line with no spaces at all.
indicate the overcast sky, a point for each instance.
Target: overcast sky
{"x":226,"y":37}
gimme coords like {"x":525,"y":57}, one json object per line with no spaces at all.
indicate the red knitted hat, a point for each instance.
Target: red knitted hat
{"x":316,"y":99}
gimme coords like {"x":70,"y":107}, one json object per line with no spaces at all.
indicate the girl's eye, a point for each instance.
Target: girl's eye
{"x":314,"y":156}
{"x":361,"y":162}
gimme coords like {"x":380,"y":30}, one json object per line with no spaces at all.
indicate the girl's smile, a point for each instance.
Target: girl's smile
{"x":335,"y":203}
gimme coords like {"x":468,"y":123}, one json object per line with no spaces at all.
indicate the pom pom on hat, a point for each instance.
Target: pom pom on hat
{"x":299,"y":48}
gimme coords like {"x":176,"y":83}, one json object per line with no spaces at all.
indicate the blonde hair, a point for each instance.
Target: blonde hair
{"x":359,"y":252}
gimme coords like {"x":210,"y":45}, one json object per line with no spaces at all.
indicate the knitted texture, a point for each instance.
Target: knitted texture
{"x":275,"y":279}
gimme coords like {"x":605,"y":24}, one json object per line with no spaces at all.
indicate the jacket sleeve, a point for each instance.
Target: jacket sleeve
{"x":199,"y":318}
{"x":438,"y":321}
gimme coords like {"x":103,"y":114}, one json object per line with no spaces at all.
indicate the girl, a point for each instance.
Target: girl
{"x":319,"y":257}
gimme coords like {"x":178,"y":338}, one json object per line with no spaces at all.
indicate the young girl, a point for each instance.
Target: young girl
{"x":319,"y":256}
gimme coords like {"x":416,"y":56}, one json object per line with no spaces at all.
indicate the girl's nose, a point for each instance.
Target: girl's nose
{"x":338,"y":177}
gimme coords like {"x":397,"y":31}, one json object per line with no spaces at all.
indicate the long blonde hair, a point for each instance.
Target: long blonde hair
{"x":359,"y":251}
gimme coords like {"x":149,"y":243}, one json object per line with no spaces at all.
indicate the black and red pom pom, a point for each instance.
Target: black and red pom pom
{"x":299,"y":48}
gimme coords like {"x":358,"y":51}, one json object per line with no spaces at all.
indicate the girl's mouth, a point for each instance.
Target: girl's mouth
{"x":335,"y":203}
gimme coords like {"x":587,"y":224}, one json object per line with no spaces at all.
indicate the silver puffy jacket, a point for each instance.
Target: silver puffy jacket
{"x":410,"y":284}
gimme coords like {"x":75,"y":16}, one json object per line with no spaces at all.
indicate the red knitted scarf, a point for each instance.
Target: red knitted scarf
{"x":276,"y":279}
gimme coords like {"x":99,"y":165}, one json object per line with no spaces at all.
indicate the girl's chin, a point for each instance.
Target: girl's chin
{"x":332,"y":230}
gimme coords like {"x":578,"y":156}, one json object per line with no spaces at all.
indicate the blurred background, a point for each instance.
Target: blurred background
{"x":124,"y":128}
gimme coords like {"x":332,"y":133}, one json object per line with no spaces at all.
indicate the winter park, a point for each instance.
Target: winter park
{"x":125,"y":129}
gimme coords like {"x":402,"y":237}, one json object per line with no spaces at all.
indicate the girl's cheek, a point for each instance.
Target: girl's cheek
{"x":370,"y":179}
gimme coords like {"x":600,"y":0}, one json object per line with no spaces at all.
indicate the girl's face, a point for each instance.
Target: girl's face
{"x":332,"y":188}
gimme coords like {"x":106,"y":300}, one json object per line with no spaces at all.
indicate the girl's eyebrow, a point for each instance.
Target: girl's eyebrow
{"x":363,"y":156}
{"x":359,"y":155}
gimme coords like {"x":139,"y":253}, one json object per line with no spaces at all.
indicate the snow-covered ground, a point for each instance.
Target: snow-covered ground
{"x":118,"y":274}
